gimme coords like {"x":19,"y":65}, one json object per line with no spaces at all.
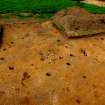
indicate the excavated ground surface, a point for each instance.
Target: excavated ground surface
{"x":40,"y":66}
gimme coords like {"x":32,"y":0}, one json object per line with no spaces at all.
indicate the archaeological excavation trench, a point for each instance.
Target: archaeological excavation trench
{"x":41,"y":66}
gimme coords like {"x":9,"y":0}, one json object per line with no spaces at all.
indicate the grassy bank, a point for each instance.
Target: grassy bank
{"x":93,"y":8}
{"x":35,"y":6}
{"x":44,"y":6}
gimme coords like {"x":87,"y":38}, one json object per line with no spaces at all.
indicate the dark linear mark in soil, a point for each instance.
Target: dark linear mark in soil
{"x":1,"y":35}
{"x":86,"y":36}
{"x":80,"y":36}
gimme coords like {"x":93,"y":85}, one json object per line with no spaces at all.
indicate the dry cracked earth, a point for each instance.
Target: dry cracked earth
{"x":39,"y":66}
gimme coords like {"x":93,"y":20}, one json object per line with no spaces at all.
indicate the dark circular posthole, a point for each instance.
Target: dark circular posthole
{"x":60,"y":57}
{"x":58,"y":40}
{"x":4,"y":49}
{"x":72,"y":55}
{"x":78,"y":101}
{"x":68,"y":64}
{"x":102,"y":38}
{"x":48,"y":74}
{"x":2,"y":58}
{"x":42,"y":59}
{"x":11,"y":68}
{"x":84,"y":76}
{"x":12,"y":42}
{"x":32,"y":64}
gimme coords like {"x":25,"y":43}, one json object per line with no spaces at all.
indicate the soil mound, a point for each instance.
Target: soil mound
{"x":77,"y":22}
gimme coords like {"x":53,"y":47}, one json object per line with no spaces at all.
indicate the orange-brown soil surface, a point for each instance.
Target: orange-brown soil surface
{"x":39,"y":66}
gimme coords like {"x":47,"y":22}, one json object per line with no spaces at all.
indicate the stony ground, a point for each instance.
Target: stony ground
{"x":39,"y":66}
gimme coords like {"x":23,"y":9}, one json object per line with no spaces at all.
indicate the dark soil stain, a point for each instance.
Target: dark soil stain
{"x":78,"y":101}
{"x":60,"y":57}
{"x":2,"y":58}
{"x":83,"y":51}
{"x":48,"y":74}
{"x":11,"y":68}
{"x":12,"y":42}
{"x":25,"y":77}
{"x":1,"y":35}
{"x":4,"y":49}
{"x":72,"y":55}
{"x":84,"y":76}
{"x":68,"y":64}
{"x":102,"y":21}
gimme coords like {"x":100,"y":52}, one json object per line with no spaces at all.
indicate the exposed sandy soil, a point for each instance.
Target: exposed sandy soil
{"x":96,"y":2}
{"x":39,"y":66}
